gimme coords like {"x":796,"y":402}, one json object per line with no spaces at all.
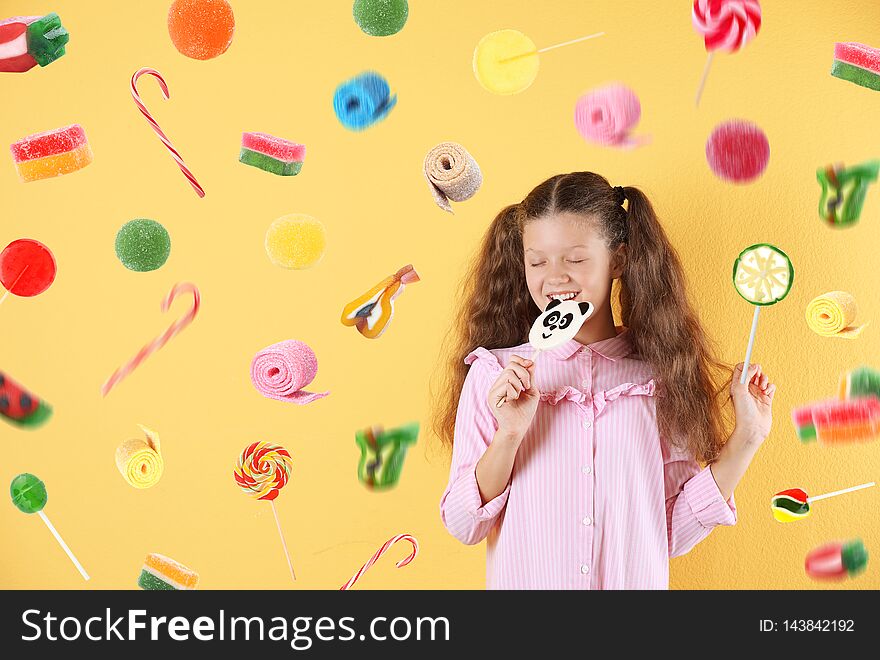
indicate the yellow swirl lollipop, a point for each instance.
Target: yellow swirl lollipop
{"x":261,"y":471}
{"x":140,"y":461}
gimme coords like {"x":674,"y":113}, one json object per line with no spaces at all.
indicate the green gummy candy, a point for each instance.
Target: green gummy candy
{"x":854,"y":556}
{"x":150,"y":582}
{"x":28,"y":493}
{"x":381,"y":18}
{"x":863,"y":382}
{"x":269,"y":164}
{"x":46,"y":38}
{"x":143,"y":245}
{"x":807,"y":433}
{"x":855,"y":74}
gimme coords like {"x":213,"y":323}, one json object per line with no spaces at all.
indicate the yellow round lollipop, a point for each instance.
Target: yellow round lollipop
{"x":296,"y":241}
{"x":506,"y":62}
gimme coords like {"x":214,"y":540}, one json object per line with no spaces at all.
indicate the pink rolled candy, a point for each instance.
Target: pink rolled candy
{"x":607,"y":115}
{"x":281,"y":370}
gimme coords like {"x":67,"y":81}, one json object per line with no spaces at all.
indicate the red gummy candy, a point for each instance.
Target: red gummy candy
{"x":738,"y":151}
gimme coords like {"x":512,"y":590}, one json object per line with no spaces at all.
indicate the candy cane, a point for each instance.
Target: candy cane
{"x":174,"y":154}
{"x":381,"y":551}
{"x":158,"y":342}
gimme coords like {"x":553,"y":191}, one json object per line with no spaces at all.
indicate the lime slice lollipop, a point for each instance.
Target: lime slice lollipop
{"x":763,"y":274}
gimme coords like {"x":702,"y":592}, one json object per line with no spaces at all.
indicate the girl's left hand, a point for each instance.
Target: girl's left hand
{"x":753,"y":401}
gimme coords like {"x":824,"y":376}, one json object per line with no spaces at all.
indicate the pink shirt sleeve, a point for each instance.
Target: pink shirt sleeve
{"x":461,"y":508}
{"x":694,"y":505}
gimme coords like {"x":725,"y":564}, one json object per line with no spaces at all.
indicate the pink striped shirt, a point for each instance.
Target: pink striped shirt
{"x":597,"y":498}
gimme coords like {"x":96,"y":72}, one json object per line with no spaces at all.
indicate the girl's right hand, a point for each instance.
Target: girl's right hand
{"x":516,"y":387}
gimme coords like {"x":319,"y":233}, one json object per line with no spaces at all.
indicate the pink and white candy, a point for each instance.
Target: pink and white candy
{"x":607,"y":116}
{"x":381,"y":551}
{"x":726,"y":25}
{"x":158,"y":342}
{"x":146,"y":113}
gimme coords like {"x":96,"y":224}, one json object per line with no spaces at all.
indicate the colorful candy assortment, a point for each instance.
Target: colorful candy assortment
{"x":504,"y":62}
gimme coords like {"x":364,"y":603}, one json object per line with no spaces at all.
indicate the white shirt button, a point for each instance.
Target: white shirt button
{"x":588,"y":424}
{"x":585,"y":569}
{"x":588,"y":521}
{"x":585,"y":383}
{"x":586,"y":469}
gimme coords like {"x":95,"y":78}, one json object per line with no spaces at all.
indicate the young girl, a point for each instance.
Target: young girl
{"x":587,"y":476}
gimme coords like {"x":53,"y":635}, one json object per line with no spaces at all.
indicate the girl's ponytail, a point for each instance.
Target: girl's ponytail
{"x":495,"y":311}
{"x":666,"y":332}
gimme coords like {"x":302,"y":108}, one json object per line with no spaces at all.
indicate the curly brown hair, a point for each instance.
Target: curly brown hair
{"x":497,"y":311}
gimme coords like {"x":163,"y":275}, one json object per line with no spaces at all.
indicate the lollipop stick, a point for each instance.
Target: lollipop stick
{"x":544,"y":50}
{"x":283,"y":542}
{"x":705,"y":75}
{"x":745,"y":372}
{"x":60,"y":540}
{"x":839,"y":492}
{"x":9,"y":290}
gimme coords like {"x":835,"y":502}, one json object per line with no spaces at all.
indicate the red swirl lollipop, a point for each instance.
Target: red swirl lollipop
{"x":725,"y":25}
{"x":27,"y":268}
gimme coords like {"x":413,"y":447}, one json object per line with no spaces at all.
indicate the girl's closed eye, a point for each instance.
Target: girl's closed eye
{"x":540,"y":263}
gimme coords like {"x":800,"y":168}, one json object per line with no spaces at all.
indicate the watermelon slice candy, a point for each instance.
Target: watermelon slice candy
{"x":19,"y":406}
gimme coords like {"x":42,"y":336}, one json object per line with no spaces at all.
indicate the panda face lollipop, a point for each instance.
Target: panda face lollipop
{"x":559,"y":322}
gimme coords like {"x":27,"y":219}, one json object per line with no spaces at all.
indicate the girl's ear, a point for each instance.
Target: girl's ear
{"x":618,"y":261}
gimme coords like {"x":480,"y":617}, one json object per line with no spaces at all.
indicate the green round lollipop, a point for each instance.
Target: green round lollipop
{"x":763,"y":274}
{"x":28,"y":493}
{"x":380,"y":18}
{"x":143,"y":245}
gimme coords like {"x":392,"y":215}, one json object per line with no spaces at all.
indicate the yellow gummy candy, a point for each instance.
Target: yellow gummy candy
{"x":139,"y":461}
{"x":833,"y":314}
{"x":50,"y":166}
{"x":296,"y":241}
{"x":510,"y":77}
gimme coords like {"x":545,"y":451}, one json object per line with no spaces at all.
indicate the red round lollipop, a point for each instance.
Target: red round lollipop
{"x":27,"y":267}
{"x":737,"y":151}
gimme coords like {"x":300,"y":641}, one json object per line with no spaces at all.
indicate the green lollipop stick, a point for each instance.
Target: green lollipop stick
{"x":29,"y":496}
{"x":763,"y":275}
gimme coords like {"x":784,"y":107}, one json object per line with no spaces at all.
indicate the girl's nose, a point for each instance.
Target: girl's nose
{"x":557,"y":274}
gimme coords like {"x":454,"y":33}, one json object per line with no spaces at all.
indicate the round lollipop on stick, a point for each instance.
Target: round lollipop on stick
{"x":726,"y":25}
{"x":27,"y":268}
{"x":559,"y":322}
{"x":506,"y":61}
{"x":763,"y":275}
{"x":262,"y":470}
{"x":794,"y":504}
{"x":29,"y":496}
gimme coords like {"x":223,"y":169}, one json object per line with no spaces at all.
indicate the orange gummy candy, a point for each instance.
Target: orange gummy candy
{"x":201,"y":29}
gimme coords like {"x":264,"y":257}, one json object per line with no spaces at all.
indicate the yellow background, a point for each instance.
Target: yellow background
{"x":278,"y":77}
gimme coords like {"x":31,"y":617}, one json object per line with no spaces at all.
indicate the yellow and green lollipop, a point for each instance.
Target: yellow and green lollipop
{"x":763,"y":275}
